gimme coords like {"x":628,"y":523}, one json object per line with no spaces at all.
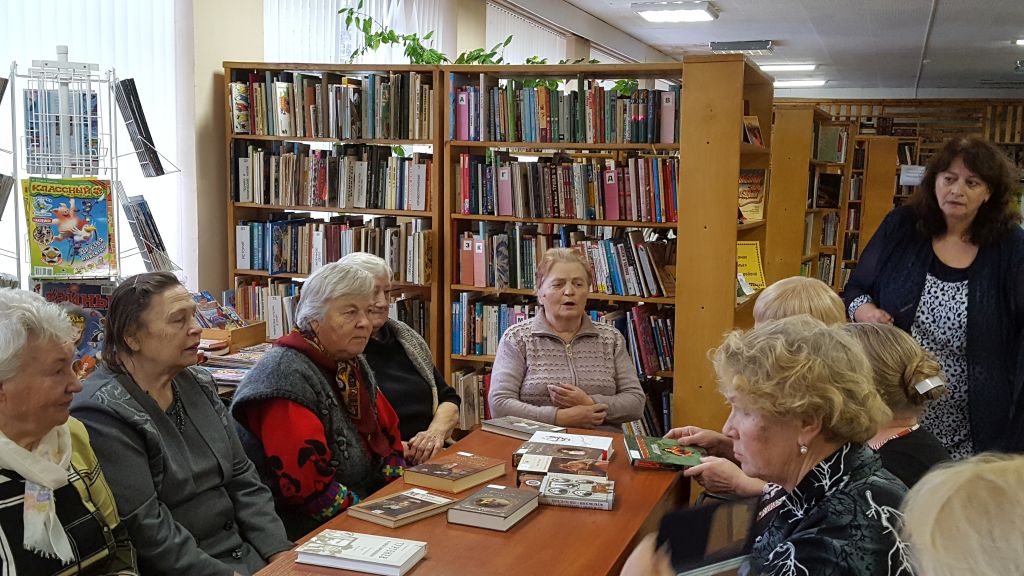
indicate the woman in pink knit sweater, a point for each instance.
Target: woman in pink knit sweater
{"x":560,"y":367}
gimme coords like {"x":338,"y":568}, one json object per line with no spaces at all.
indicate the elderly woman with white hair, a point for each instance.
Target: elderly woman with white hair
{"x":312,"y":416}
{"x":427,"y":407}
{"x":58,"y":516}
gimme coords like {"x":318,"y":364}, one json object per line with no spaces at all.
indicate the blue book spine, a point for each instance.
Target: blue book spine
{"x":657,"y":190}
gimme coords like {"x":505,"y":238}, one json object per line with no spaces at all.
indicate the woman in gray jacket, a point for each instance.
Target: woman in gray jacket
{"x":191,"y":499}
{"x":560,"y":367}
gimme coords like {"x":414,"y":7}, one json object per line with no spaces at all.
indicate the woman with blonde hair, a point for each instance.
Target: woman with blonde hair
{"x":968,"y":518}
{"x":906,"y":377}
{"x":560,"y":367}
{"x":799,"y":295}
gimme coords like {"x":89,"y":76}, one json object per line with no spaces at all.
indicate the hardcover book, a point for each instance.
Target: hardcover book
{"x":86,"y":304}
{"x":751,"y":194}
{"x":518,"y":427}
{"x":401,"y":509}
{"x":587,"y":441}
{"x":533,"y":468}
{"x":70,"y":226}
{"x":494,"y":507}
{"x":665,"y":453}
{"x":361,"y":552}
{"x":455,"y":472}
{"x":575,"y":491}
{"x":557,"y":451}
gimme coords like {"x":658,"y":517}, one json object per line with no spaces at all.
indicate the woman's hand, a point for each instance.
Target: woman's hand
{"x":716,"y":443}
{"x":424,"y":446}
{"x":588,"y":416}
{"x":721,"y":476}
{"x":646,"y":560}
{"x":568,"y":395}
{"x":870,"y":313}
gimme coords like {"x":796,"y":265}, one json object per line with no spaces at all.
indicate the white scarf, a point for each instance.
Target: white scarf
{"x":45,"y":469}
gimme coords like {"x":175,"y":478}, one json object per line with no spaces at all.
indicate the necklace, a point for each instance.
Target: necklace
{"x":899,"y":434}
{"x":176,"y":411}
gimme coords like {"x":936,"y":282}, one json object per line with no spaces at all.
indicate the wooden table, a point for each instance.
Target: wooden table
{"x":551,"y":540}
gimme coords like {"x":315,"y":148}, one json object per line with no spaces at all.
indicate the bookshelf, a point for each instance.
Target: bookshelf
{"x":705,"y":160}
{"x":341,"y":158}
{"x":869,"y":197}
{"x":907,"y":153}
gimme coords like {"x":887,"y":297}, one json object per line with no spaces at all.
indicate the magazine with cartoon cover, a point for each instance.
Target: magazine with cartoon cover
{"x":70,"y":226}
{"x":86,"y":304}
{"x":402,"y":505}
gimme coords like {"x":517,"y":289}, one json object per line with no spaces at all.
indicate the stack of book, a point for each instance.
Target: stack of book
{"x":135,"y":119}
{"x":567,"y":469}
{"x":144,"y":229}
{"x":210,"y":314}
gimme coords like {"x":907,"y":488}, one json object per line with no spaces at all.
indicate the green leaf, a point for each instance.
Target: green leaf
{"x":359,"y":6}
{"x":507,"y":40}
{"x":398,"y":150}
{"x":367,"y":26}
{"x":348,"y":21}
{"x":429,"y":35}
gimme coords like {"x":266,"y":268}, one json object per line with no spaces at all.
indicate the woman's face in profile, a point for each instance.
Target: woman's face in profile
{"x":766,"y":447}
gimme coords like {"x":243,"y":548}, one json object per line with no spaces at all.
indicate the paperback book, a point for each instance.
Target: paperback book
{"x":86,"y":304}
{"x":533,"y":468}
{"x":557,"y":451}
{"x":575,"y":491}
{"x":494,"y":507}
{"x":603,"y":443}
{"x":362,"y":552}
{"x":455,"y":472}
{"x":70,"y":226}
{"x":518,"y":427}
{"x":401,"y":509}
{"x":664,"y":453}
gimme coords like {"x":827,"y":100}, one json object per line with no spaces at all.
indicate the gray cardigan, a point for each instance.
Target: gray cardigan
{"x":180,"y":522}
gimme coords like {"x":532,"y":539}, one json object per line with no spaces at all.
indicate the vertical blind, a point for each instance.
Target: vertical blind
{"x":529,"y":38}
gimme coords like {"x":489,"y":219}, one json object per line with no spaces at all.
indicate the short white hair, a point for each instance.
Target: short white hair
{"x":27,"y":317}
{"x":375,"y":265}
{"x":968,"y":517}
{"x":335,"y":280}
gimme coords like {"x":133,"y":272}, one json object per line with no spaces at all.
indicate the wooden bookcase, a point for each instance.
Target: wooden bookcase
{"x":716,"y":92}
{"x":319,"y":78}
{"x":875,"y":164}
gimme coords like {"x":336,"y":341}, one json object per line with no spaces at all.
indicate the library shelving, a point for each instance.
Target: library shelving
{"x":907,"y":154}
{"x":328,"y":159}
{"x":809,"y":164}
{"x":645,"y":185}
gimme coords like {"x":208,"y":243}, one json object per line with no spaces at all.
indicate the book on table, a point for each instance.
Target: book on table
{"x":664,"y":453}
{"x":558,"y":451}
{"x":574,"y":491}
{"x":494,"y":507}
{"x":455,"y":472}
{"x":362,"y":552}
{"x":401,"y":508}
{"x":532,"y":468}
{"x":603,"y":443}
{"x":518,"y":427}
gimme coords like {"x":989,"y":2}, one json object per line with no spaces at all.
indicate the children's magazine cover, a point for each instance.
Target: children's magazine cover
{"x":71,"y":227}
{"x":86,"y":304}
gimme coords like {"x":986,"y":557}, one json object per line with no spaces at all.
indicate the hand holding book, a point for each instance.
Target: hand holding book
{"x":715,"y":443}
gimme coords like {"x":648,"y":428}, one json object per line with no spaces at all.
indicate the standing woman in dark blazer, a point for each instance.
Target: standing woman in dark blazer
{"x":192,"y":501}
{"x":949,"y":269}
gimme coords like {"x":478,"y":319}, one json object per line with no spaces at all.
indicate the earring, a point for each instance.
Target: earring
{"x":803,"y":449}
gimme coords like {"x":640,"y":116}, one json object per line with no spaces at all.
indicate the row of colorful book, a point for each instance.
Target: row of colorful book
{"x":350,"y":176}
{"x":642,"y":188}
{"x":485,"y":109}
{"x":295,"y":243}
{"x":325,"y":105}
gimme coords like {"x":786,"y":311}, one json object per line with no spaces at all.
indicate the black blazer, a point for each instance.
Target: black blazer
{"x":892,"y":272}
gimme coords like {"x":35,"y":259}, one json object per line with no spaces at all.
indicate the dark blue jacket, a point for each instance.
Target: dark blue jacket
{"x":892,"y":271}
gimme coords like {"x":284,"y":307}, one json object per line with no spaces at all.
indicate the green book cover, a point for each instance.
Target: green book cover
{"x":655,"y":452}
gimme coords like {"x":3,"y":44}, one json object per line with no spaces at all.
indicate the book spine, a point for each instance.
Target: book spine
{"x":574,"y":503}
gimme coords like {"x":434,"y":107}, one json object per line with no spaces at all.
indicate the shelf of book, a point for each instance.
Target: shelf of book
{"x":326,"y":159}
{"x":564,"y":174}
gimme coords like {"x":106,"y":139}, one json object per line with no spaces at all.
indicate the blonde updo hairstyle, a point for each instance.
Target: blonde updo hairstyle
{"x":898,"y":363}
{"x":968,"y":518}
{"x":558,"y":255}
{"x":799,"y":295}
{"x":798,"y":367}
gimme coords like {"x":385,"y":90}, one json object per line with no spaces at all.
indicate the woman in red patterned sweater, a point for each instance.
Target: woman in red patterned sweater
{"x":312,"y":417}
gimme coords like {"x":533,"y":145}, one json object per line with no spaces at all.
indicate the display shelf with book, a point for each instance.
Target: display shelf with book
{"x":331,"y":159}
{"x":542,"y":156}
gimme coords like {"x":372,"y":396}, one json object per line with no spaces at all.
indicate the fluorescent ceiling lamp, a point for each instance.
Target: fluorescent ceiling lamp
{"x":1020,"y":42}
{"x":788,"y":67}
{"x":675,"y":11}
{"x":799,"y":83}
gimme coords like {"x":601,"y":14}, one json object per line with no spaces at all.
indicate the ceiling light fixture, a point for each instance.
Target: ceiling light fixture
{"x":748,"y":47}
{"x":788,"y":67}
{"x":675,"y":11}
{"x":1020,"y":42}
{"x":799,"y":83}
